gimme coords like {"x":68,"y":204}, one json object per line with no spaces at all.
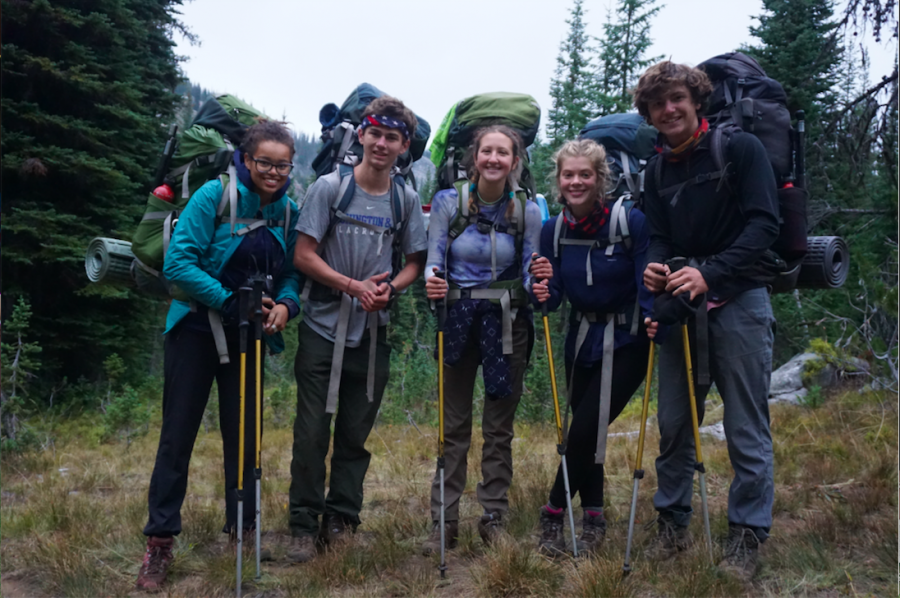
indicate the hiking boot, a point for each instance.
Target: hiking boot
{"x":593,"y":531}
{"x":553,"y":542}
{"x":741,"y":553}
{"x":334,"y":531}
{"x":302,"y":549}
{"x":156,"y":563}
{"x":490,"y":527}
{"x":432,"y":543}
{"x":250,"y":542}
{"x":670,"y":540}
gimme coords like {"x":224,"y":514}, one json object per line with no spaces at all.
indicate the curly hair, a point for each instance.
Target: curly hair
{"x":391,"y":106}
{"x":661,"y":77}
{"x":266,"y":130}
{"x":596,"y":155}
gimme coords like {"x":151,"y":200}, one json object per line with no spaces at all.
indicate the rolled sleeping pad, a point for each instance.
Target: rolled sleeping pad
{"x":826,"y":264}
{"x":108,"y":261}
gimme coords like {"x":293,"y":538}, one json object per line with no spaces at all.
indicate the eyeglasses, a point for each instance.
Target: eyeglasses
{"x":264,"y":166}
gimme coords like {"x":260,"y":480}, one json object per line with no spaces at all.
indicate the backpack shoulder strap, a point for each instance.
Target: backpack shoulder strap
{"x":618,"y":223}
{"x":557,"y":233}
{"x":462,"y":218}
{"x":520,"y":205}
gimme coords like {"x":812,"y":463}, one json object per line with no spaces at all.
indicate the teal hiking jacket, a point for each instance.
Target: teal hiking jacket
{"x":200,"y":250}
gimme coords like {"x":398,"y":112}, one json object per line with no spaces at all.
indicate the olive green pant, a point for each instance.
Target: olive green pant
{"x":312,"y":429}
{"x":496,"y":428}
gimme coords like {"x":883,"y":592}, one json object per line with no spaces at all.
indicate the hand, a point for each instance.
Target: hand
{"x":267,"y":304}
{"x":652,"y":328}
{"x":687,"y":280}
{"x":277,"y":318}
{"x":655,"y":277}
{"x":541,"y":268}
{"x":541,"y":290}
{"x":376,"y":300}
{"x":358,"y":288}
{"x":436,"y":288}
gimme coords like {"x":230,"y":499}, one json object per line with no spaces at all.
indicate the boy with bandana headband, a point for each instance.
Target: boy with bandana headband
{"x":723,"y":223}
{"x":343,"y":358}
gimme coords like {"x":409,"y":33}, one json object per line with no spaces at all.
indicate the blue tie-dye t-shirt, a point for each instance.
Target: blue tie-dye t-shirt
{"x":470,"y":253}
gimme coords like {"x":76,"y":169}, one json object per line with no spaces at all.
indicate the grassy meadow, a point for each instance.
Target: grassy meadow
{"x":72,"y":517}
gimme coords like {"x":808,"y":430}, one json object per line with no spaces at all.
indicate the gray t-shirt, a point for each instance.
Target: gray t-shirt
{"x":352,"y":250}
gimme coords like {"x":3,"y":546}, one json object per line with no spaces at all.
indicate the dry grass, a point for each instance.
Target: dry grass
{"x":72,"y":518}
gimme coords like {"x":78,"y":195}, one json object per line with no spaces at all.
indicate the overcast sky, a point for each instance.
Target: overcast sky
{"x":291,"y":57}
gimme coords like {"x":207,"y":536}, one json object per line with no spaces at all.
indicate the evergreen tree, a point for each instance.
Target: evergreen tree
{"x":623,"y":50}
{"x":801,"y":50}
{"x":88,"y":92}
{"x":571,"y":88}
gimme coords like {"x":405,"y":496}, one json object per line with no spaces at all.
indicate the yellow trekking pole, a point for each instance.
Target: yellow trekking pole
{"x":257,"y":471}
{"x":243,"y":324}
{"x":441,"y":308}
{"x":560,"y":435}
{"x":698,"y":464}
{"x":638,"y":471}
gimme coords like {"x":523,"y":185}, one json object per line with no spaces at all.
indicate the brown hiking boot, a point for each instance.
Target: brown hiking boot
{"x":302,"y":549}
{"x":156,"y":563}
{"x":249,"y":538}
{"x":334,"y":531}
{"x":741,"y":553}
{"x":553,"y":542}
{"x":490,"y":526}
{"x":670,"y":540}
{"x":593,"y":531}
{"x":432,"y":543}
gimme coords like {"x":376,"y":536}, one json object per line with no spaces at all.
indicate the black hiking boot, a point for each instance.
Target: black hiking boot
{"x":432,"y":544}
{"x":593,"y":531}
{"x":741,"y":553}
{"x":670,"y":540}
{"x":334,"y":531}
{"x":553,"y":541}
{"x":156,"y":563}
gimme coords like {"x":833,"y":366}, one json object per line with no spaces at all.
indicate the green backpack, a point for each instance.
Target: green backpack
{"x":202,"y":153}
{"x":516,"y":110}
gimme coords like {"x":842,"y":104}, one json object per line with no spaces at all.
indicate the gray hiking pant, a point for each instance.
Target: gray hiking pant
{"x":496,"y":428}
{"x":741,"y":334}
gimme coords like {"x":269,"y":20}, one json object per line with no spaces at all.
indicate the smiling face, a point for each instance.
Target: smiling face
{"x":381,"y":146}
{"x":267,"y":183}
{"x":495,"y":159}
{"x":674,"y":114}
{"x":577,"y":182}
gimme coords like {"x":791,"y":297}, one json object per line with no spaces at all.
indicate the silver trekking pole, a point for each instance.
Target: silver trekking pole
{"x":638,"y":471}
{"x":560,"y":438}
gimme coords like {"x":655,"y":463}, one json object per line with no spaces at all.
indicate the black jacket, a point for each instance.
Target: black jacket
{"x":731,"y":223}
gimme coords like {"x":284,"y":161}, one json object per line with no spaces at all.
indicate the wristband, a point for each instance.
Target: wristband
{"x":349,"y":282}
{"x":393,"y":290}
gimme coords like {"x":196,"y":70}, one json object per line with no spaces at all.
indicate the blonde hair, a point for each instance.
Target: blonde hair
{"x":596,"y":155}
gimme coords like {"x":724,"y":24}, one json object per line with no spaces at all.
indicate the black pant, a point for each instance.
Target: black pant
{"x":585,"y":476}
{"x":191,"y":364}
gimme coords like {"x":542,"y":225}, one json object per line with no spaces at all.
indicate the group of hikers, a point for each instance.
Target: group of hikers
{"x":490,"y":259}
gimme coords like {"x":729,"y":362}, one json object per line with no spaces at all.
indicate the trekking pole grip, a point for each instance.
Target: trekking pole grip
{"x":440,"y":305}
{"x":243,"y":311}
{"x":258,"y":285}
